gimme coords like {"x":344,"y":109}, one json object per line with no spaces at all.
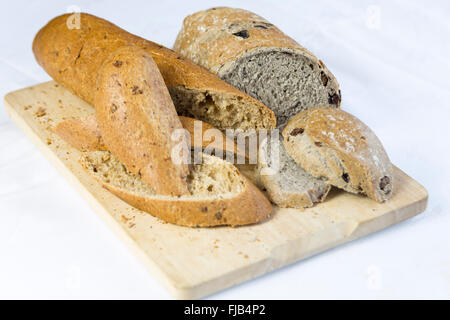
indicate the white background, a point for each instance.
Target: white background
{"x":392,"y":61}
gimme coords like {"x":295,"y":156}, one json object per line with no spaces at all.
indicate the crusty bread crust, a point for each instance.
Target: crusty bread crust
{"x":84,"y":135}
{"x":334,"y":144}
{"x":137,"y":118}
{"x":73,"y":57}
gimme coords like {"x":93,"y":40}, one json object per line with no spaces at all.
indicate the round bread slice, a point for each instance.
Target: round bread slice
{"x":256,"y":57}
{"x":333,"y":144}
{"x":288,"y":184}
{"x":218,"y":193}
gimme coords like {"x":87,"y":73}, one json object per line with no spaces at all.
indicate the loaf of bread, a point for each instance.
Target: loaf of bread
{"x":84,"y":135}
{"x":332,"y":144}
{"x":218,"y":193}
{"x":253,"y":55}
{"x":137,"y":118}
{"x":288,"y":184}
{"x":73,"y":56}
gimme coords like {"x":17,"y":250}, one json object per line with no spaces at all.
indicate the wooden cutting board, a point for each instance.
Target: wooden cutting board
{"x":193,"y":263}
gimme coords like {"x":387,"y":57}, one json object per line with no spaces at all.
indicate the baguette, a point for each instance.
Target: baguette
{"x":84,"y":135}
{"x":73,"y":56}
{"x":333,"y":144}
{"x":219,"y":194}
{"x":137,"y":118}
{"x":253,"y":55}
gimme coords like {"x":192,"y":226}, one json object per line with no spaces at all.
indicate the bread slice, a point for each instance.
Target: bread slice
{"x":335,"y":145}
{"x":288,"y":184}
{"x":73,"y":56}
{"x":81,"y":133}
{"x":218,"y":193}
{"x":137,"y":119}
{"x":253,"y":55}
{"x":84,"y":135}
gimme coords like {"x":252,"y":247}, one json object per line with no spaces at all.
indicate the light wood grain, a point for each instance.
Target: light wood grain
{"x":193,"y":263}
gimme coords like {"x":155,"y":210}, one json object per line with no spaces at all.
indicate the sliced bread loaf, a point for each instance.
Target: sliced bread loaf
{"x":73,"y":56}
{"x":288,"y":184}
{"x":137,"y":118}
{"x":218,"y":193}
{"x":256,"y":57}
{"x":332,"y":144}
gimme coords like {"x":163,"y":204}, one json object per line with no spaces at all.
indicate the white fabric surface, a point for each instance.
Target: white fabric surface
{"x":392,"y":61}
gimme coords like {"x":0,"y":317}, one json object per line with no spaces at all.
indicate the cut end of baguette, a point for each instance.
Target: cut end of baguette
{"x":222,"y":110}
{"x":297,"y":82}
{"x":219,"y":194}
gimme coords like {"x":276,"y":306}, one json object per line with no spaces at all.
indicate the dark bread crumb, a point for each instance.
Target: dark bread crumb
{"x":335,"y":98}
{"x":297,"y":131}
{"x":345,"y":177}
{"x":40,"y":112}
{"x":243,"y":34}
{"x":136,"y":90}
{"x":384,"y":182}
